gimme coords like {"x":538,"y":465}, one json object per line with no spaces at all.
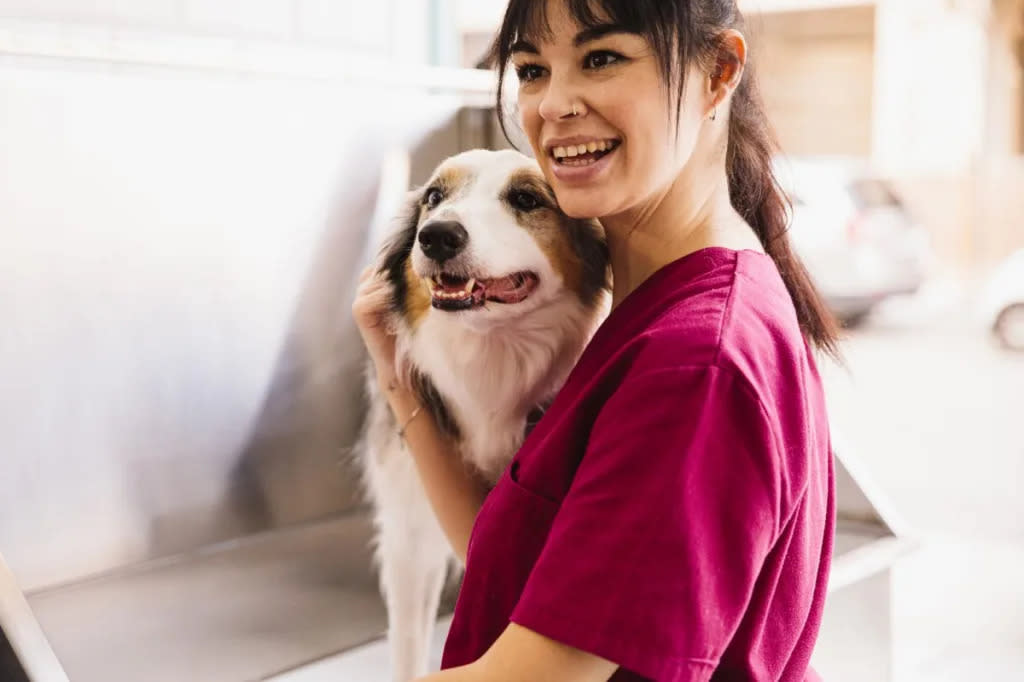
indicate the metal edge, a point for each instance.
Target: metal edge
{"x":868,"y":560}
{"x":24,"y":634}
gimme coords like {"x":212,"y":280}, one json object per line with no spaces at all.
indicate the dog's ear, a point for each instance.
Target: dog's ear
{"x":397,"y":249}
{"x":398,"y":245}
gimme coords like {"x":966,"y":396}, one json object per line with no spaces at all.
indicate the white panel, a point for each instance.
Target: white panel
{"x":163,"y":12}
{"x":349,"y":23}
{"x":265,"y":17}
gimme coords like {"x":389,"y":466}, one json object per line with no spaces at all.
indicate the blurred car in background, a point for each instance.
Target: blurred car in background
{"x":1003,"y":302}
{"x":854,"y":234}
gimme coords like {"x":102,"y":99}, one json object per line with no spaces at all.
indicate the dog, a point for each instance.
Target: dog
{"x":495,"y":294}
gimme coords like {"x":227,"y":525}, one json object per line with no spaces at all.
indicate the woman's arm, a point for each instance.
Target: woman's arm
{"x":522,"y":655}
{"x":454,"y":491}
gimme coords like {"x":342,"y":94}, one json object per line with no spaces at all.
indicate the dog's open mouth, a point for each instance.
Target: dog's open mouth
{"x":451,"y":292}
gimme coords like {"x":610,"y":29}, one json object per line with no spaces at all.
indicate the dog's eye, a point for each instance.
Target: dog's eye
{"x":525,"y":201}
{"x":434,"y":197}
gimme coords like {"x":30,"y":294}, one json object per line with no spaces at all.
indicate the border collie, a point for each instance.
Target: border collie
{"x":495,"y":293}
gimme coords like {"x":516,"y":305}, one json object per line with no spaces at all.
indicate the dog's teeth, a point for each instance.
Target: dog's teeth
{"x":469,"y":285}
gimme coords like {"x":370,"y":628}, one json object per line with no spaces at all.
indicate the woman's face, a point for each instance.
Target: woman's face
{"x":623,"y":115}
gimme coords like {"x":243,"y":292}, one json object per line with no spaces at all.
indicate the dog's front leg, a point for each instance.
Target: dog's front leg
{"x":414,"y":558}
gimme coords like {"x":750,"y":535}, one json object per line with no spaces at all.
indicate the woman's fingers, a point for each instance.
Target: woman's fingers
{"x":372,"y":298}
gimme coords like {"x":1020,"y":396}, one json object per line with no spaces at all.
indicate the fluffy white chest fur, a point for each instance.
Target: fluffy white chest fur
{"x":493,"y":379}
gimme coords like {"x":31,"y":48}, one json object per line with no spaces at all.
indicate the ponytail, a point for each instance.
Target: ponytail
{"x":757,"y":195}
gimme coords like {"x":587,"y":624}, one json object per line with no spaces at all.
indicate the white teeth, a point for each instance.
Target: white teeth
{"x":437,"y":289}
{"x":578,"y":149}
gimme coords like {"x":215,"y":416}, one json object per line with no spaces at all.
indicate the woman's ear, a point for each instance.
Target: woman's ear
{"x":727,"y":67}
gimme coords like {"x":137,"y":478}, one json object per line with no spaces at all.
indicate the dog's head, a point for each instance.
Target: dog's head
{"x":484,"y":240}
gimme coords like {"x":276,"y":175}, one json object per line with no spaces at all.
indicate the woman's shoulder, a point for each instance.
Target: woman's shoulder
{"x":742,"y":323}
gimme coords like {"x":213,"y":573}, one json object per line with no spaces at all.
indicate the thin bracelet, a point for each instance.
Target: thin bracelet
{"x":401,"y":431}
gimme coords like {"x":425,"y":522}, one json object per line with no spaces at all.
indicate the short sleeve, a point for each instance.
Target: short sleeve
{"x":654,"y":552}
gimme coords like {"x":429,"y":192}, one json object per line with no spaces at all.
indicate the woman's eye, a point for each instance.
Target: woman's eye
{"x":434,"y":197}
{"x":529,"y":72}
{"x":524,"y":201}
{"x":600,"y":59}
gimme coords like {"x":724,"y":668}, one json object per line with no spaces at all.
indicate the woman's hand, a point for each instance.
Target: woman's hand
{"x":370,"y":310}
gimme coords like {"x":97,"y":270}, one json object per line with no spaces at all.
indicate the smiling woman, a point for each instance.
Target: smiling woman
{"x":671,"y":516}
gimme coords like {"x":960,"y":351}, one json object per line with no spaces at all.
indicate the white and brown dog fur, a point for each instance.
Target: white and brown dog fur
{"x":495,"y":294}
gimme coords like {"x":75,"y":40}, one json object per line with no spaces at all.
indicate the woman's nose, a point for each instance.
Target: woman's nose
{"x":559,"y":101}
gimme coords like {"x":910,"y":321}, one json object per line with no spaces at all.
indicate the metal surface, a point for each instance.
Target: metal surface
{"x":242,"y":610}
{"x":180,"y":253}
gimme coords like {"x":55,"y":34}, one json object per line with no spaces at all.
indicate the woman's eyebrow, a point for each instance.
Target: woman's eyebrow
{"x":600,"y":31}
{"x":523,"y":46}
{"x":587,"y":35}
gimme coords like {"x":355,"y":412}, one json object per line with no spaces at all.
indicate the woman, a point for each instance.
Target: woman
{"x":671,"y":517}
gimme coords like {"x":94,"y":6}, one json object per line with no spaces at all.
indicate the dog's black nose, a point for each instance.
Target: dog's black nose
{"x":443,"y":240}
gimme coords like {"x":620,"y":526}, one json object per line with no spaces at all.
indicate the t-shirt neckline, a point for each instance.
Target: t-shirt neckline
{"x":684,"y":268}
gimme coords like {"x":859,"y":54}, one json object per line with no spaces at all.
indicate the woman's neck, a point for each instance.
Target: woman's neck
{"x":692,"y":214}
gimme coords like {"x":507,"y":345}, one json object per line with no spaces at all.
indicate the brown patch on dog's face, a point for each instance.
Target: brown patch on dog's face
{"x":418,"y":298}
{"x":451,"y":180}
{"x":574,"y":247}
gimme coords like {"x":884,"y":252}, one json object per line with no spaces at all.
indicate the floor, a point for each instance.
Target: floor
{"x":243,"y":610}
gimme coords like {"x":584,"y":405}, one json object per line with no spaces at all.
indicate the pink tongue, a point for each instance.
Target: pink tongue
{"x":501,"y":287}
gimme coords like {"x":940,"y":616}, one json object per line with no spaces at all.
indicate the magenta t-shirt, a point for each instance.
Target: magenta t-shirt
{"x":673,"y":511}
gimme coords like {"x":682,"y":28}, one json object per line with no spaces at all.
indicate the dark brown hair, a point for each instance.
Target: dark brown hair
{"x":682,"y":32}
